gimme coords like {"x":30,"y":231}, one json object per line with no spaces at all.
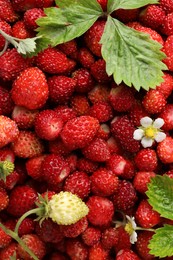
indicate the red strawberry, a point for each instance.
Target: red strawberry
{"x":114,"y":145}
{"x":6,"y":103}
{"x":65,"y":113}
{"x":48,"y":125}
{"x":21,"y":199}
{"x":122,"y":129}
{"x":166,"y":115}
{"x":104,"y":132}
{"x":154,"y":102}
{"x":145,"y":216}
{"x":30,"y":89}
{"x":168,"y":51}
{"x":23,"y":5}
{"x":126,"y":15}
{"x":99,"y":93}
{"x":78,"y":132}
{"x":84,"y":80}
{"x":55,"y":169}
{"x":98,"y":252}
{"x":85,"y":57}
{"x":101,"y":210}
{"x":126,"y":254}
{"x":5,"y":27}
{"x":76,"y":249}
{"x":53,"y":61}
{"x":102,"y":111}
{"x":84,"y":164}
{"x":136,"y":112}
{"x":58,"y":256}
{"x":9,"y":251}
{"x":166,"y":86}
{"x":7,"y":12}
{"x":5,"y":239}
{"x":6,"y":154}
{"x":98,"y":71}
{"x":61,"y":88}
{"x":69,"y":47}
{"x":27,"y":226}
{"x":167,"y":25}
{"x":30,"y":17}
{"x":123,"y":240}
{"x":166,"y":5}
{"x":58,"y":147}
{"x":103,"y":182}
{"x":141,"y":245}
{"x":78,"y":183}
{"x":125,"y":196}
{"x":34,"y":167}
{"x":19,"y":30}
{"x":93,"y":35}
{"x":35,"y":244}
{"x":4,"y":199}
{"x":103,"y":4}
{"x":146,"y":160}
{"x":27,"y":145}
{"x":91,"y":235}
{"x":12,"y":63}
{"x":74,"y":230}
{"x":165,"y":150}
{"x":109,"y":237}
{"x":80,"y":104}
{"x":9,"y":131}
{"x":141,"y":180}
{"x":121,"y":98}
{"x":152,"y":16}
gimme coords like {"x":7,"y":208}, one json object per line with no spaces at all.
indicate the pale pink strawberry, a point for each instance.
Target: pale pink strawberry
{"x":165,"y":150}
{"x":146,"y":160}
{"x":91,"y":235}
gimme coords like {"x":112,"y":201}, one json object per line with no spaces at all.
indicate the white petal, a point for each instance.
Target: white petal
{"x":146,"y":142}
{"x":160,"y":136}
{"x":138,"y":134}
{"x":133,"y":237}
{"x":146,"y":121}
{"x":158,"y":123}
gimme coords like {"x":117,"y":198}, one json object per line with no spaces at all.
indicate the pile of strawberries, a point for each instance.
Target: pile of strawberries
{"x":67,"y":126}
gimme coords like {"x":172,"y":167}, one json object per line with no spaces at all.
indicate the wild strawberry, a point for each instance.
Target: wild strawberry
{"x":126,"y":15}
{"x":19,"y":30}
{"x":24,"y":117}
{"x":30,"y":89}
{"x":21,"y":199}
{"x":102,"y":111}
{"x":9,"y":131}
{"x":61,"y":88}
{"x":80,"y":104}
{"x":141,"y":245}
{"x":109,"y":237}
{"x":55,"y":169}
{"x":120,"y":166}
{"x":97,"y":150}
{"x":152,"y":16}
{"x":166,"y":5}
{"x":165,"y":150}
{"x":122,"y":129}
{"x":6,"y":154}
{"x":154,"y":102}
{"x":121,"y":98}
{"x":30,"y":17}
{"x":101,"y":210}
{"x":166,"y":115}
{"x":125,"y":196}
{"x":84,"y":80}
{"x":78,"y":183}
{"x":166,"y":86}
{"x":11,"y":181}
{"x":12,"y":63}
{"x":103,"y":4}
{"x":126,"y":254}
{"x":27,"y":226}
{"x":93,"y":35}
{"x":69,"y":47}
{"x":136,"y":112}
{"x":4,"y":199}
{"x":98,"y":71}
{"x":84,"y":164}
{"x":65,"y":113}
{"x":76,"y":249}
{"x":27,"y":145}
{"x":5,"y":27}
{"x":99,"y":93}
{"x":7,"y":12}
{"x":103,"y":182}
{"x":76,"y":229}
{"x":52,"y":61}
{"x":57,"y":255}
{"x":35,"y":244}
{"x":58,"y":147}
{"x":23,"y":5}
{"x":34,"y":167}
{"x":91,"y":235}
{"x":78,"y":132}
{"x":5,"y":239}
{"x":114,"y":146}
{"x":146,"y":160}
{"x":8,"y":251}
{"x":167,"y":25}
{"x":104,"y":131}
{"x":123,"y":239}
{"x":168,"y":51}
{"x":6,"y":102}
{"x":49,"y":231}
{"x":98,"y":252}
{"x":145,"y":216}
{"x":85,"y":57}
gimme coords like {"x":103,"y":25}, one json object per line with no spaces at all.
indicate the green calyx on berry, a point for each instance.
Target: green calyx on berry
{"x":6,"y":167}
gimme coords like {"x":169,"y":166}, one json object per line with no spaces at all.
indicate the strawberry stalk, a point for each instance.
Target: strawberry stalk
{"x":20,"y":241}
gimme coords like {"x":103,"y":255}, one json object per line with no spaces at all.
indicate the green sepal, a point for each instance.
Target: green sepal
{"x":131,"y":56}
{"x":6,"y":168}
{"x":43,"y":212}
{"x":161,"y":244}
{"x":160,"y":195}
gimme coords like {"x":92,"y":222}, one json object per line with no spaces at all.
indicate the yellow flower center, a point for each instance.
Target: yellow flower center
{"x":129,"y":229}
{"x":150,"y":132}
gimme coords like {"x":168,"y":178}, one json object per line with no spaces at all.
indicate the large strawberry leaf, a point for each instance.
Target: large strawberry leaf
{"x":160,"y":194}
{"x":161,"y":244}
{"x":131,"y":56}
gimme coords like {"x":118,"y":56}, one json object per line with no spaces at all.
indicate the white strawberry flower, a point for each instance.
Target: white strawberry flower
{"x":149,"y":131}
{"x":130,"y":228}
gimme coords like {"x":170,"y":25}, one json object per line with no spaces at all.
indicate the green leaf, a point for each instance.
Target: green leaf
{"x":68,"y":22}
{"x":161,"y":244}
{"x":41,"y":44}
{"x":160,"y":194}
{"x":131,"y":56}
{"x":126,"y":4}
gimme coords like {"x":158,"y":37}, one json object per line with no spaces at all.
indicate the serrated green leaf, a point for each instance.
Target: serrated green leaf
{"x":78,"y":18}
{"x":161,"y":244}
{"x":126,"y":4}
{"x":41,"y":44}
{"x":131,"y":56}
{"x":160,"y":195}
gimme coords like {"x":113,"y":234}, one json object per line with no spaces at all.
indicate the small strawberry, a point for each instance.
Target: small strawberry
{"x":166,"y":86}
{"x":35,"y":244}
{"x":61,"y":88}
{"x":104,"y":182}
{"x":136,"y":112}
{"x":78,"y":183}
{"x":141,"y":245}
{"x":69,"y":47}
{"x":99,"y":93}
{"x":85,"y":57}
{"x":103,"y":4}
{"x":5,"y":239}
{"x":76,"y":249}
{"x":8,"y":251}
{"x":80,"y":104}
{"x":123,"y":240}
{"x":78,"y":132}
{"x":93,"y":35}
{"x":167,"y":25}
{"x":166,"y":115}
{"x":102,"y":111}
{"x":20,"y":31}
{"x":146,"y":160}
{"x":98,"y":71}
{"x":6,"y":154}
{"x":168,"y":51}
{"x":9,"y":130}
{"x":6,"y":102}
{"x":165,"y":150}
{"x":114,"y":146}
{"x":21,"y":199}
{"x":5,"y":27}
{"x":154,"y":102}
{"x":104,"y":132}
{"x":126,"y":254}
{"x":30,"y":17}
{"x":84,"y":80}
{"x":101,"y":210}
{"x":27,"y":145}
{"x":109,"y":237}
{"x":30,"y":89}
{"x":23,"y":5}
{"x":126,"y":15}
{"x":34,"y":167}
{"x":98,"y":252}
{"x":27,"y":226}
{"x":7,"y":12}
{"x":76,"y":229}
{"x":58,"y":147}
{"x":65,"y":112}
{"x":84,"y":164}
{"x":91,"y":235}
{"x":166,"y":5}
{"x":4,"y":199}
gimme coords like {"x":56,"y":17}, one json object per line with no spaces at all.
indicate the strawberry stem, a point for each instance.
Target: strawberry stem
{"x":145,"y":229}
{"x":6,"y":167}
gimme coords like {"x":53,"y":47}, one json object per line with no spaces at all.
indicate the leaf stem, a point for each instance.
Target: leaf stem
{"x":145,"y":229}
